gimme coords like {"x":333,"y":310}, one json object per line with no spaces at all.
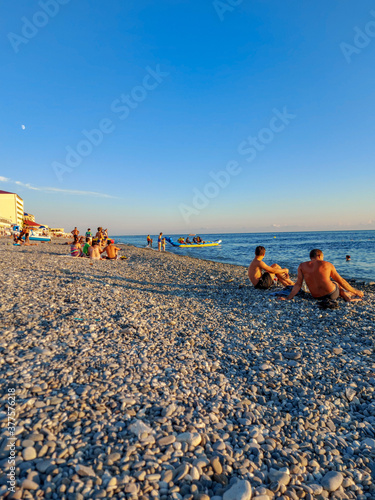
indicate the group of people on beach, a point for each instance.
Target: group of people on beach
{"x":93,"y":248}
{"x":320,"y":276}
{"x":161,"y":242}
{"x":23,"y":237}
{"x":183,"y":241}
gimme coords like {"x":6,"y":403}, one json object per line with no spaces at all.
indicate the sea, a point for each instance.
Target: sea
{"x":286,"y":249}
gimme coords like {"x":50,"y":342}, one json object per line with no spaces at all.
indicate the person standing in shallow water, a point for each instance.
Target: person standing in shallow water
{"x":159,"y":241}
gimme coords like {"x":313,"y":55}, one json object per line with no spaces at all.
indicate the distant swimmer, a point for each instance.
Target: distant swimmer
{"x":347,"y":258}
{"x":323,"y":280}
{"x":262,"y":276}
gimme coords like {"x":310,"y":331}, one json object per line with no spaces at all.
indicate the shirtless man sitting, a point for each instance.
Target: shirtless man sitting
{"x":111,"y":250}
{"x":95,"y":250}
{"x":262,"y":276}
{"x":323,"y":280}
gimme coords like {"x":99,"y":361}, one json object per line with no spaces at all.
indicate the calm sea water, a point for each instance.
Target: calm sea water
{"x":286,"y":249}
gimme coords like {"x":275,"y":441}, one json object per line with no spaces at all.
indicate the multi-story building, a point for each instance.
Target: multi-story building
{"x":5,"y":223}
{"x":29,"y":217}
{"x":11,"y":207}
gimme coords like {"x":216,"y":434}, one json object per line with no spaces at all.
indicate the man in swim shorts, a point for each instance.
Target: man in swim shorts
{"x":323,"y":280}
{"x":262,"y":276}
{"x":111,"y":250}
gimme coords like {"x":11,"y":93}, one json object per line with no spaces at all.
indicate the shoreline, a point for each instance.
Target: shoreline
{"x":171,"y":377}
{"x":358,"y":281}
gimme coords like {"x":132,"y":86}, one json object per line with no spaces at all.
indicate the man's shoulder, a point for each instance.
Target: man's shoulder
{"x":304,"y":264}
{"x":326,"y":265}
{"x":255,"y":262}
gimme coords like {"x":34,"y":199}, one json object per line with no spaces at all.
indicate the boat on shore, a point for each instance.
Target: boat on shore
{"x":36,"y":237}
{"x":193,"y":245}
{"x":38,"y":233}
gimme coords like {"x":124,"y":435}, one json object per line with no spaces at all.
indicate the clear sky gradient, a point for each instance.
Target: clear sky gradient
{"x":279,"y":95}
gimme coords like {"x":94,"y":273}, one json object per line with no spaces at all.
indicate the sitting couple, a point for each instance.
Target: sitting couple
{"x":321,"y":277}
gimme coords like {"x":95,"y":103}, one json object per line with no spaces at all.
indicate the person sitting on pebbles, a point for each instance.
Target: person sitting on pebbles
{"x":111,"y":250}
{"x":262,"y":276}
{"x":95,"y":250}
{"x":86,"y":247}
{"x":75,"y":248}
{"x":323,"y":280}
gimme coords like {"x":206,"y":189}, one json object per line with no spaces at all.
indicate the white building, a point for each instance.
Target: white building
{"x":11,"y":207}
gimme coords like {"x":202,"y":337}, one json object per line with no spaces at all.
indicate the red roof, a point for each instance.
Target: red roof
{"x":6,"y":192}
{"x":30,"y":223}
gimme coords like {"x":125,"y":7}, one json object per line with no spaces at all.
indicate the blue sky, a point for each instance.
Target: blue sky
{"x":174,"y":92}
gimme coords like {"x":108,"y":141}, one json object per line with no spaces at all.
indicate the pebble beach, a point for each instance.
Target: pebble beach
{"x":168,"y":377}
